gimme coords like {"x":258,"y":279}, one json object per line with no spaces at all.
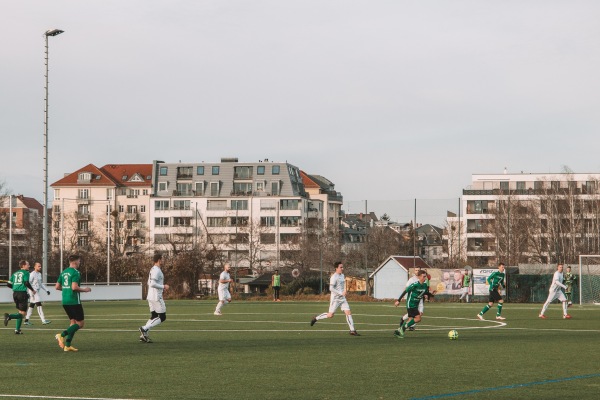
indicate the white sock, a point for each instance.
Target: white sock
{"x":564,"y":304}
{"x":350,"y":322}
{"x":544,"y":308}
{"x":405,"y":317}
{"x":152,"y":323}
{"x":29,"y":311}
{"x":41,"y":313}
{"x":220,"y":305}
{"x":322,"y":316}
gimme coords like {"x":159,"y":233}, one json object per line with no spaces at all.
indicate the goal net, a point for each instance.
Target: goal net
{"x":587,"y":289}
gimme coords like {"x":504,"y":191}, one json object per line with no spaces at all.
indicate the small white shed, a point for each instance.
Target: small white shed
{"x":389,"y":279}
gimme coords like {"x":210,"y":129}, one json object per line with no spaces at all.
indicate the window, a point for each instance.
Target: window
{"x":239,"y":221}
{"x":215,"y":170}
{"x":184,"y":189}
{"x":181,"y":204}
{"x":83,"y":194}
{"x":215,"y":222}
{"x":289,"y":221}
{"x":504,"y":186}
{"x":82,"y":241}
{"x":200,"y":170}
{"x":260,"y":170}
{"x":239,"y":238}
{"x":84,"y":176}
{"x":161,"y":204}
{"x":538,"y":185}
{"x":214,"y":189}
{"x":289,"y":238}
{"x":239,"y":204}
{"x":267,"y":221}
{"x":216,"y":205}
{"x":184,"y":172}
{"x":57,"y":194}
{"x":57,"y":208}
{"x":288,"y":204}
{"x":109,"y":194}
{"x":161,"y":221}
{"x":163,"y":171}
{"x":162,"y":186}
{"x":131,"y":209}
{"x":275,"y":188}
{"x":143,"y":208}
{"x":161,"y":238}
{"x":242,"y":173}
{"x":199,"y":189}
{"x":242,"y":188}
{"x":145,"y":192}
{"x":260,"y":186}
{"x":82,"y":226}
{"x":555,"y":185}
{"x":182,"y":221}
{"x":121,"y":208}
{"x":275,"y":170}
{"x":267,"y":238}
{"x":83,"y":209}
{"x":520,"y":185}
{"x":133,"y":193}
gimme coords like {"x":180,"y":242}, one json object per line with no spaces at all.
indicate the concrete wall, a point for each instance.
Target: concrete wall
{"x":100,"y":291}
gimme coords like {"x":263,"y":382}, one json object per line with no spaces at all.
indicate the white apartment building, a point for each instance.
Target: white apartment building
{"x":85,"y":200}
{"x":515,"y":218}
{"x":254,"y":213}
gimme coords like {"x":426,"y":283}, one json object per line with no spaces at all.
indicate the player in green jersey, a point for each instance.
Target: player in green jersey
{"x":68,"y":283}
{"x":495,"y":282}
{"x":19,"y":282}
{"x":466,"y":283}
{"x":415,"y":291}
{"x":570,"y":281}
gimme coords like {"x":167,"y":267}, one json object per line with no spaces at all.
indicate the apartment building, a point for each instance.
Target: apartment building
{"x":326,"y":201}
{"x":87,"y":199}
{"x":20,"y":229}
{"x":525,"y":217}
{"x":253,"y":213}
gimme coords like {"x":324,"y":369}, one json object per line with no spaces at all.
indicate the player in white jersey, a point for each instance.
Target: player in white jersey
{"x":223,"y":289}
{"x":556,"y":292}
{"x":337,"y":287}
{"x":158,"y":309}
{"x":35,"y":279}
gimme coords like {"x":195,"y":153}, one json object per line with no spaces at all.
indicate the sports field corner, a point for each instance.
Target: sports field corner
{"x":266,"y":350}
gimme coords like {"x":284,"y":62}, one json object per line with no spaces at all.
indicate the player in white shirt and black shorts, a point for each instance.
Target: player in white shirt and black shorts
{"x":223,"y":289}
{"x":556,"y":292}
{"x":35,"y":279}
{"x":337,"y":287}
{"x":158,"y":309}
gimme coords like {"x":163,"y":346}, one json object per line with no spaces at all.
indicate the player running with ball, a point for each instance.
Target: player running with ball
{"x":415,"y":291}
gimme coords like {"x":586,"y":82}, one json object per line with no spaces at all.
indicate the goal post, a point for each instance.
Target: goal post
{"x":588,"y":286}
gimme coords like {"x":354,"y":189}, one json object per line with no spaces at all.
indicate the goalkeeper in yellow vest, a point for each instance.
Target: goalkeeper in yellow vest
{"x":496,"y":282}
{"x":276,"y":285}
{"x":19,"y":282}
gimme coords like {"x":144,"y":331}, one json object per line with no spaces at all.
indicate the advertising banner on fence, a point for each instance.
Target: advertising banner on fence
{"x":447,"y":281}
{"x":479,"y":281}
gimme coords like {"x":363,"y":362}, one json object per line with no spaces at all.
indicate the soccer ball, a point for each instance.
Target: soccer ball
{"x":453,"y":335}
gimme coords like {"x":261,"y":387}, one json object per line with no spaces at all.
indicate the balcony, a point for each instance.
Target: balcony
{"x":184,"y":175}
{"x":83,"y":232}
{"x":83,"y":200}
{"x":178,"y":193}
{"x":83,"y":216}
{"x":131,"y":216}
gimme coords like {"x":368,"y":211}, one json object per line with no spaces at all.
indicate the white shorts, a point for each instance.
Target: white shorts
{"x":338,"y":302}
{"x":158,"y":306}
{"x":224,"y":295}
{"x":34,"y":298}
{"x":465,"y":290}
{"x":556,"y":295}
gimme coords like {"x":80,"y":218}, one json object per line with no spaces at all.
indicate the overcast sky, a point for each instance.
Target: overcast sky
{"x":391,"y":100}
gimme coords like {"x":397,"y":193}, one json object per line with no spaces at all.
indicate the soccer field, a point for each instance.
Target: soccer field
{"x":266,"y":350}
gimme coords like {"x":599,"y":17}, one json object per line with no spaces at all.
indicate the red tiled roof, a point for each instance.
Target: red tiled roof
{"x":111,"y":175}
{"x":32,"y":203}
{"x":140,"y":173}
{"x":308,"y":182}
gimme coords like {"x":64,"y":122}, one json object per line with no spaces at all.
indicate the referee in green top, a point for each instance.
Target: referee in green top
{"x":276,"y":284}
{"x":19,"y":282}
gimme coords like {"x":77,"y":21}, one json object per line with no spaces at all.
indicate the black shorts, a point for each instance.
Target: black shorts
{"x":413,"y":312}
{"x":74,"y":311}
{"x":494,"y":296}
{"x":21,"y":300}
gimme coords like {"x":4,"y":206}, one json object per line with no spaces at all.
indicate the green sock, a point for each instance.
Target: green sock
{"x":499,"y":310}
{"x":19,"y":319}
{"x":70,"y":333}
{"x":15,"y":316}
{"x":410,"y":323}
{"x":485,"y":309}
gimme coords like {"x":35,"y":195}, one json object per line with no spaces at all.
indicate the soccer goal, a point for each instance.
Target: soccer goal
{"x":588,"y":286}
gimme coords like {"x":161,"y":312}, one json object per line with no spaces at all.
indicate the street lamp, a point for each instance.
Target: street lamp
{"x":52,"y":32}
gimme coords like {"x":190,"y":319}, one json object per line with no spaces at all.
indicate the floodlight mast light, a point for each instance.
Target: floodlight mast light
{"x":52,"y":32}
